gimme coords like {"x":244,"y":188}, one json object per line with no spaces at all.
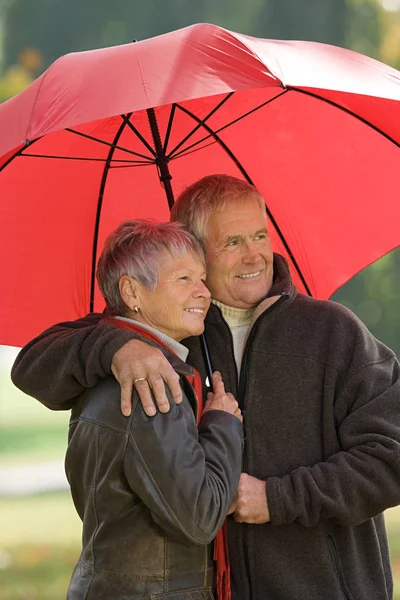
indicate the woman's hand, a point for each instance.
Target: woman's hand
{"x":221,"y":400}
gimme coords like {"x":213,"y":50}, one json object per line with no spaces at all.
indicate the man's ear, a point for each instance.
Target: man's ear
{"x":129,"y":290}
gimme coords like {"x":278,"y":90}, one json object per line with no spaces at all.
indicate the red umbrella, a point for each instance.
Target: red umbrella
{"x":314,"y":127}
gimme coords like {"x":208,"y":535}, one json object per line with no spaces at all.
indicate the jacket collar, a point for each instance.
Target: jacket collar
{"x":144,"y":335}
{"x":181,"y":367}
{"x":282,"y":282}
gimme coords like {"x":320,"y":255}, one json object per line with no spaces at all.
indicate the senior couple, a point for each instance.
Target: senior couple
{"x":319,"y":397}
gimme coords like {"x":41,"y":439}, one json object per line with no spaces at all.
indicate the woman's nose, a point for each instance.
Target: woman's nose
{"x":202,"y":290}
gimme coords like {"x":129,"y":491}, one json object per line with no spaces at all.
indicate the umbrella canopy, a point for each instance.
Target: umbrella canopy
{"x":116,"y":133}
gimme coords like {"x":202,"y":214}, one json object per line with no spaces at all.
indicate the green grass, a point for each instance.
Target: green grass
{"x":40,"y":572}
{"x":40,"y":544}
{"x":44,"y":518}
{"x":29,"y":432}
{"x":42,"y":442}
{"x":40,"y":535}
{"x":18,"y":408}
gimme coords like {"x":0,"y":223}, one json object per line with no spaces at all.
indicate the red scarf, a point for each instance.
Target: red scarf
{"x":221,"y":556}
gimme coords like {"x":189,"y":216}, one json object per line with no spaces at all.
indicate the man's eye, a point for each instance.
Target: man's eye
{"x":232,"y":243}
{"x":261,"y":236}
{"x":184,"y":278}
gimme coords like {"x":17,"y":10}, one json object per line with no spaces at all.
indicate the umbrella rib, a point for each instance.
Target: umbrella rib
{"x":142,"y":162}
{"x":113,"y":146}
{"x":248,"y":179}
{"x":169,"y":127}
{"x":346,"y":110}
{"x":139,"y":135}
{"x":192,"y":149}
{"x":18,"y":153}
{"x":132,"y":163}
{"x":228,"y":124}
{"x":200,"y":123}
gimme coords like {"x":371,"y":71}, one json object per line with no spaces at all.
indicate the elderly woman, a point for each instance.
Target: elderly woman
{"x":153,"y":492}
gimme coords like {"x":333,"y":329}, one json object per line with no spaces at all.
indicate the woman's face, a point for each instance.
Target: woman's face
{"x":180,"y":301}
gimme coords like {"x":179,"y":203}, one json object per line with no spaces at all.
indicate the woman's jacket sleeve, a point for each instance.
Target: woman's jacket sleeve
{"x":186,"y":476}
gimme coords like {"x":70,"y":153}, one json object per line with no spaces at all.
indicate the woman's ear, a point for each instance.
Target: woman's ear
{"x":129,"y":288}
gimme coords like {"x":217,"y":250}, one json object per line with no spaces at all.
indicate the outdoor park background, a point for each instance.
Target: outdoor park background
{"x":39,"y":531}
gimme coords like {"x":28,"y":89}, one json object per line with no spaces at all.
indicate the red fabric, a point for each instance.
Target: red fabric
{"x":221,"y":556}
{"x":330,"y":179}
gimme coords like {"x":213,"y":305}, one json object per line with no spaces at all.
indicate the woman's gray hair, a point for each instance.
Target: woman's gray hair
{"x":135,"y":248}
{"x":195,"y":205}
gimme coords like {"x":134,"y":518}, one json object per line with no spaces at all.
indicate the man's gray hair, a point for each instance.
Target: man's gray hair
{"x":136,"y":248}
{"x":195,"y":205}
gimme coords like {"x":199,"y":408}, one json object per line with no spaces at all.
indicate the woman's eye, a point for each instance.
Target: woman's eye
{"x":184,"y":278}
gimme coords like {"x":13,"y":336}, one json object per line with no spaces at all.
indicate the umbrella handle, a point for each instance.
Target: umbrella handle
{"x":207,"y":359}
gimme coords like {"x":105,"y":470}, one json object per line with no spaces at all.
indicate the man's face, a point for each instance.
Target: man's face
{"x":239,"y":255}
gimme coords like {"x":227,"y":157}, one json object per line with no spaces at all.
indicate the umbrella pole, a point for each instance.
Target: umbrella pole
{"x":207,"y":361}
{"x":161,"y":159}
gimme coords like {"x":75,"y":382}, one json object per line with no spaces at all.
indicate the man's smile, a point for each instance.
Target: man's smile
{"x":248,"y":275}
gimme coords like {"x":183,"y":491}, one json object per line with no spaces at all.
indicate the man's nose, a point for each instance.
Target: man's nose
{"x":250,"y":253}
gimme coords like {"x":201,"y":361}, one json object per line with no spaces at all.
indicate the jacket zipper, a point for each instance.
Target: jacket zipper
{"x":241,"y":397}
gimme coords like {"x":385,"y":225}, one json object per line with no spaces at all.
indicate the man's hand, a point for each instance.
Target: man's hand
{"x":221,"y":400}
{"x":250,"y":502}
{"x":145,"y":367}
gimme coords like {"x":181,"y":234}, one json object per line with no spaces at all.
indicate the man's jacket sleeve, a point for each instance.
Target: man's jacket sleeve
{"x":65,"y":359}
{"x":186,"y":477}
{"x":363,"y":479}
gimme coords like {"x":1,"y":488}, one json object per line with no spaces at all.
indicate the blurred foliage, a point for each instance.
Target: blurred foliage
{"x":37,"y":32}
{"x":365,"y":30}
{"x":55,"y":27}
{"x":374,"y":295}
{"x":308,"y":20}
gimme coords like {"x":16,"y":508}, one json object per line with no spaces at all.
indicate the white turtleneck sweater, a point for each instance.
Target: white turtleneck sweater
{"x":239,"y":321}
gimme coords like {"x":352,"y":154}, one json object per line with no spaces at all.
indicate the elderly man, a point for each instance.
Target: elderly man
{"x":319,"y":394}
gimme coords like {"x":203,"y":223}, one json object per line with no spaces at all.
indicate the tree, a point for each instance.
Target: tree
{"x":374,"y":295}
{"x":55,"y":27}
{"x":316,"y":20}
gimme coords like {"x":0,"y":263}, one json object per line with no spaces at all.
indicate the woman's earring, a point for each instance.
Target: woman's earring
{"x":136,"y":309}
